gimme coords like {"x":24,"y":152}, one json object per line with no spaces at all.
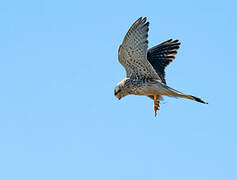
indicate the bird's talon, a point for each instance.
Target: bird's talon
{"x":155,"y":107}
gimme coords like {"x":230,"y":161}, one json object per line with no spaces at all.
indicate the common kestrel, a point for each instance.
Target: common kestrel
{"x":145,"y":69}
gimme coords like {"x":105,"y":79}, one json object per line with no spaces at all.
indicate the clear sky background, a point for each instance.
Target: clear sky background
{"x":60,"y":120}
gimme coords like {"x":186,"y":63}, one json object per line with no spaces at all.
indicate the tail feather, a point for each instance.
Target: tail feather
{"x":191,"y":98}
{"x":172,"y":92}
{"x":198,"y":100}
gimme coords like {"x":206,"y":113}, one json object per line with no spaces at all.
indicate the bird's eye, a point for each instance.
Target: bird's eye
{"x":116,"y":92}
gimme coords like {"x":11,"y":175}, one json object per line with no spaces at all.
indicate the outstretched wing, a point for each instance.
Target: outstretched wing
{"x":132,"y":53}
{"x":161,"y":55}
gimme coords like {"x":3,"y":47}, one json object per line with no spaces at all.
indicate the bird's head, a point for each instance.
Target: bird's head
{"x":121,"y":90}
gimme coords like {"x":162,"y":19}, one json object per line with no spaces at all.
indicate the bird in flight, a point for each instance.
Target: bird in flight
{"x":145,"y":68}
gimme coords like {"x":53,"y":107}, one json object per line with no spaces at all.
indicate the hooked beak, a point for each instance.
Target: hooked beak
{"x":118,"y":97}
{"x":115,"y":94}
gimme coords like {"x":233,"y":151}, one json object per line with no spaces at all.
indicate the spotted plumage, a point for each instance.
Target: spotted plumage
{"x":145,"y":69}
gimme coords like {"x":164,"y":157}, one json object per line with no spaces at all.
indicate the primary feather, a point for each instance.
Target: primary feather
{"x":132,"y":52}
{"x":161,"y":55}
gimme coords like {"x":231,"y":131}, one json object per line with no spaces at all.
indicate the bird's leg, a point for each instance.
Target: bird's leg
{"x":156,"y":105}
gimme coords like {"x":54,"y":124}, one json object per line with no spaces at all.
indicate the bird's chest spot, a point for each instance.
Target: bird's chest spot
{"x":145,"y":89}
{"x":141,"y":90}
{"x":139,"y":86}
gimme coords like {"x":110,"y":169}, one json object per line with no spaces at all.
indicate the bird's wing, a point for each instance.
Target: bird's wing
{"x":132,"y":53}
{"x":161,"y":55}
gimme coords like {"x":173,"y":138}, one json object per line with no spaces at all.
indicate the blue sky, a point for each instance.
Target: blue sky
{"x":60,"y":120}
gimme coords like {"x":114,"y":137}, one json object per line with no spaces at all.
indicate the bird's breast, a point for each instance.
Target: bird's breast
{"x":148,"y":89}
